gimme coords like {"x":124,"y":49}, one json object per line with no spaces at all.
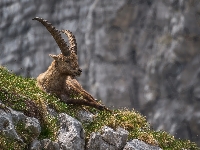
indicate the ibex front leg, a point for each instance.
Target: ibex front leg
{"x":84,"y":102}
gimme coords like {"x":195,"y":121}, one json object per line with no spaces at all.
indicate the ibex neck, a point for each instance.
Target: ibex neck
{"x":51,"y":80}
{"x":55,"y":74}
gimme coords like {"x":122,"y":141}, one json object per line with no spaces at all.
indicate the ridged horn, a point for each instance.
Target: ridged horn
{"x":72,"y":40}
{"x":56,"y":35}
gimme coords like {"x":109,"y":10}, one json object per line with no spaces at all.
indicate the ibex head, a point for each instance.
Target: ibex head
{"x":67,"y":61}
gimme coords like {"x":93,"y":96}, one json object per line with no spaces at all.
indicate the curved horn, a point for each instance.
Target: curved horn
{"x":56,"y":35}
{"x":72,"y":40}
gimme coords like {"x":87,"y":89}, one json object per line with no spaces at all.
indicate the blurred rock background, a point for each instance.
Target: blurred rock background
{"x":141,"y":54}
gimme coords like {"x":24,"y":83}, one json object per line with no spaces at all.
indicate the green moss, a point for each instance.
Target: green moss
{"x":26,"y":134}
{"x":22,"y":94}
{"x":10,"y":144}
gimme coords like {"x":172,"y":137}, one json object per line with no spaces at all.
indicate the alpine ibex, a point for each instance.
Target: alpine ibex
{"x":59,"y":79}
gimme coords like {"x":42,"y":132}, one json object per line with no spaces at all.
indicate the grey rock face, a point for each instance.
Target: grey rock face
{"x":136,"y":144}
{"x":133,"y":53}
{"x":47,"y":144}
{"x":117,"y":138}
{"x":12,"y":123}
{"x":33,"y":125}
{"x":44,"y":144}
{"x":108,"y":139}
{"x":35,"y":145}
{"x":71,"y":134}
{"x":96,"y":142}
{"x":7,"y":127}
{"x":85,"y":116}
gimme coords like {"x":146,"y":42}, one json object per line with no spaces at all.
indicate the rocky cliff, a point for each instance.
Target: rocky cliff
{"x":138,"y":54}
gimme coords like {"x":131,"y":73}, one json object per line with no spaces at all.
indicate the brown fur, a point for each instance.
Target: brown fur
{"x":59,"y":79}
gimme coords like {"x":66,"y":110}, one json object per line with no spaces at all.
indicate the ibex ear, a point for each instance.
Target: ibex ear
{"x":53,"y":56}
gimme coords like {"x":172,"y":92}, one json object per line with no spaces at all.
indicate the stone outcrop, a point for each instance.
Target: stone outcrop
{"x":108,"y":139}
{"x":71,"y":135}
{"x":15,"y":126}
{"x":141,"y":54}
{"x":136,"y":144}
